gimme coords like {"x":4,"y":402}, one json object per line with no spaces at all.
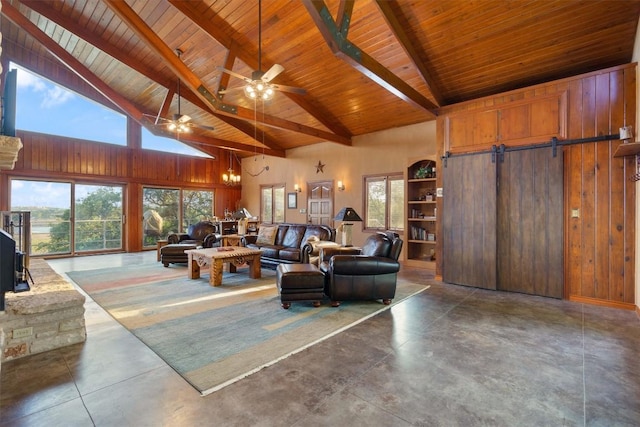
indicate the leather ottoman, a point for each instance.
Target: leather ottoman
{"x":174,"y":253}
{"x":299,"y":282}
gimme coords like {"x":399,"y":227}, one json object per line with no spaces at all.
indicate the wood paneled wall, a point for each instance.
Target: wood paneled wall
{"x":59,"y":158}
{"x":599,"y":245}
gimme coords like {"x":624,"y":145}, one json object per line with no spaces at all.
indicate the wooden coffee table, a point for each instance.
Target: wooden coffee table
{"x":215,"y":258}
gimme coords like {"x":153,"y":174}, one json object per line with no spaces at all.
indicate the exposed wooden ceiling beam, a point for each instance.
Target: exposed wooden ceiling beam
{"x":345,"y":10}
{"x":209,"y":144}
{"x":218,"y":29}
{"x":91,"y":79}
{"x":391,"y":13}
{"x":360,"y":60}
{"x":166,"y":103}
{"x":46,"y":10}
{"x":223,"y":82}
{"x":146,"y":34}
{"x":70,"y":62}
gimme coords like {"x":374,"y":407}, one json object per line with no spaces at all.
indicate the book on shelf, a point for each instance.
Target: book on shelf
{"x":420,"y":233}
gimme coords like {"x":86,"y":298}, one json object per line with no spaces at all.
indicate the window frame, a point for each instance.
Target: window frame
{"x":278,"y":207}
{"x":182,"y":224}
{"x":388,"y":179}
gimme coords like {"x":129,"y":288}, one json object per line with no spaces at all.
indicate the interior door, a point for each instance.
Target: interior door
{"x":530,"y":222}
{"x":469,"y":221}
{"x":320,"y":203}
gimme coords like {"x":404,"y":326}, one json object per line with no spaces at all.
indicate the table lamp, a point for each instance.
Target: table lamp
{"x":347,"y":216}
{"x":242,"y":221}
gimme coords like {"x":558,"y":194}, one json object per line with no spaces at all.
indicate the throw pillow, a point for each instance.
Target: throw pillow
{"x":266,"y":235}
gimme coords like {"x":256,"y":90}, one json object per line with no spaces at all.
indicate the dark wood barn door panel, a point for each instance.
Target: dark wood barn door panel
{"x":469,"y":221}
{"x":530,"y":223}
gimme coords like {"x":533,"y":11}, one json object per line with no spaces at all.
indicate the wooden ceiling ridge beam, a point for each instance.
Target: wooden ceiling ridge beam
{"x":360,"y":60}
{"x":153,"y":41}
{"x":70,"y":62}
{"x":218,"y":29}
{"x":45,"y":9}
{"x":391,"y":12}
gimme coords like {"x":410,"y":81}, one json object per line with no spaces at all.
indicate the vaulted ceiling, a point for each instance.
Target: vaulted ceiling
{"x":365,"y":65}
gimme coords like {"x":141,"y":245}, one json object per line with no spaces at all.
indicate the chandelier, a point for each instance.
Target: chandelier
{"x":230,"y":178}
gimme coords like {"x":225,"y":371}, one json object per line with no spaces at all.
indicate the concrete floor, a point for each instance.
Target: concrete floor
{"x":450,"y":356}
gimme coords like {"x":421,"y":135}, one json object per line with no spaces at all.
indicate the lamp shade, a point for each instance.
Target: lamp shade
{"x":347,"y":214}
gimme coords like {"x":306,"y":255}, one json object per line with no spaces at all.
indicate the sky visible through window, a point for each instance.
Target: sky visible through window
{"x":44,"y":107}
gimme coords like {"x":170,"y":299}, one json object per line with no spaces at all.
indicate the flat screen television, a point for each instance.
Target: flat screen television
{"x":7,"y":262}
{"x":7,"y":265}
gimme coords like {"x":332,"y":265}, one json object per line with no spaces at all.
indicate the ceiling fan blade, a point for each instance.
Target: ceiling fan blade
{"x":272,"y":72}
{"x":233,"y":89}
{"x":156,"y":119}
{"x":290,"y":89}
{"x":234,"y":74}
{"x":204,"y":127}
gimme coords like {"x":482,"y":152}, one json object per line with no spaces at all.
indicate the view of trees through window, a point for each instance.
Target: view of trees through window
{"x":385,"y":202}
{"x":162,"y":207}
{"x":97,"y":213}
{"x":272,"y":204}
{"x":98,"y":218}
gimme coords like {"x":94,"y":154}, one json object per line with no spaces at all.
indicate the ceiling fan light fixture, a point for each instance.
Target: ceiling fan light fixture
{"x":259,"y":89}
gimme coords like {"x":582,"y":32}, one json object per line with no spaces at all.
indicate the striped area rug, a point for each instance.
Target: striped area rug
{"x":215,"y":336}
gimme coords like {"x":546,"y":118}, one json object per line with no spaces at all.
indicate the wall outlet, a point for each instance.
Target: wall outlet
{"x":575,"y":213}
{"x":22,"y":332}
{"x":303,"y":210}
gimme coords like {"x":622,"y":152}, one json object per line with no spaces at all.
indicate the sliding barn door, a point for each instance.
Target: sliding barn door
{"x":469,"y":221}
{"x":530,"y":222}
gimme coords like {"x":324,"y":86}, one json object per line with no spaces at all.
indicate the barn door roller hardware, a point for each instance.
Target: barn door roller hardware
{"x":554,"y":143}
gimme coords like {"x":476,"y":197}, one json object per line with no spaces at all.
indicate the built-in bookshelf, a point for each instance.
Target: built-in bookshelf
{"x":421,"y":214}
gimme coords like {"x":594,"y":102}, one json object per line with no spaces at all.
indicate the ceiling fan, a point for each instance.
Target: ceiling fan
{"x":180,"y":123}
{"x":259,"y":86}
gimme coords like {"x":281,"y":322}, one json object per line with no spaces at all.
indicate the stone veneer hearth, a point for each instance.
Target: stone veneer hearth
{"x":49,"y":316}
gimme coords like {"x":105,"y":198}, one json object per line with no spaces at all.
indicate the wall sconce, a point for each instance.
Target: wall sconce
{"x":296,"y":188}
{"x":340,"y":186}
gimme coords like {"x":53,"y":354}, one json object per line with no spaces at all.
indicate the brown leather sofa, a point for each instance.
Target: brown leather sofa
{"x":369,"y":273}
{"x":203,"y":233}
{"x":294,"y":243}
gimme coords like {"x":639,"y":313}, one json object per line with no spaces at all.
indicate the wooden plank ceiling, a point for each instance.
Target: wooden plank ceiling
{"x":365,"y":66}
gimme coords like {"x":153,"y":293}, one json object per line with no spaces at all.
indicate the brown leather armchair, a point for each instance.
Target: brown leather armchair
{"x":363,"y":274}
{"x":203,"y":233}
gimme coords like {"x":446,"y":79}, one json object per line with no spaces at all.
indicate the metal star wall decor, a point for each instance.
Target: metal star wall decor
{"x":320,"y":167}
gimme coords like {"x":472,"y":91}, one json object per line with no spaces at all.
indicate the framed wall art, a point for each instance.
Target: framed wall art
{"x":292,"y":200}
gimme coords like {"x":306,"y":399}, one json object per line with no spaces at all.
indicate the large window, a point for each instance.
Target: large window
{"x":160,"y":207}
{"x":272,"y":204}
{"x":196,"y":206}
{"x":384,"y":208}
{"x":44,"y":107}
{"x":161,"y":143}
{"x":92,"y":222}
{"x":163,"y":207}
{"x":98,"y":217}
